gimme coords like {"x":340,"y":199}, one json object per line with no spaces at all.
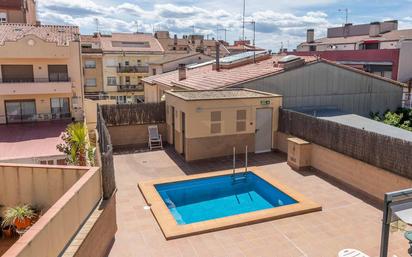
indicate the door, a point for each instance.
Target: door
{"x":183,"y":133}
{"x":58,"y":73}
{"x":263,"y":135}
{"x":172,"y":110}
{"x":17,"y":73}
{"x":20,"y":111}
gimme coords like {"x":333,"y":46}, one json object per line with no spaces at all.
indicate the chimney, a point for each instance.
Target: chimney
{"x":182,"y":71}
{"x":310,"y":36}
{"x":175,"y":39}
{"x":217,"y":56}
{"x":374,"y":29}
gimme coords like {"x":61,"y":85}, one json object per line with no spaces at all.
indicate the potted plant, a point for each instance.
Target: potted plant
{"x":19,"y":216}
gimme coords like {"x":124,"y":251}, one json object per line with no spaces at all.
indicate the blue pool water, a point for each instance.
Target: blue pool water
{"x":216,"y":197}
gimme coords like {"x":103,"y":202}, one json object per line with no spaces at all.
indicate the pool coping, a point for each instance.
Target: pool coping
{"x":172,"y":230}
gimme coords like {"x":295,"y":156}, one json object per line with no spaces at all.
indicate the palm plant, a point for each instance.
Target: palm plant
{"x":76,"y":145}
{"x":18,"y":215}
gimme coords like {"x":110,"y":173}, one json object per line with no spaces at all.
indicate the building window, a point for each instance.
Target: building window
{"x":3,"y":17}
{"x":126,"y":63}
{"x":91,"y":82}
{"x":312,"y":48}
{"x":154,"y":71}
{"x":111,"y":81}
{"x":127,"y":80}
{"x":90,"y":64}
{"x":215,"y":122}
{"x":121,"y":99}
{"x":241,"y":120}
{"x":59,"y":105}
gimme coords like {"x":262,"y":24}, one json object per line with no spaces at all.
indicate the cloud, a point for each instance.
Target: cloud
{"x":271,"y":26}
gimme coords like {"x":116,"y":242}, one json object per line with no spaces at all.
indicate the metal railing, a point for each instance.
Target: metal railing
{"x":22,"y":118}
{"x":57,"y":78}
{"x":133,"y":69}
{"x":127,"y":88}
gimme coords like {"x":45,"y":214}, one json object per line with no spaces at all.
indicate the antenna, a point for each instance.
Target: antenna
{"x":243,"y":22}
{"x":193,"y":27}
{"x":96,"y":21}
{"x":346,"y":10}
{"x":225,"y":30}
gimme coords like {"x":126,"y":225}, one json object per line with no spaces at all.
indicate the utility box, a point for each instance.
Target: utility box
{"x":299,"y":153}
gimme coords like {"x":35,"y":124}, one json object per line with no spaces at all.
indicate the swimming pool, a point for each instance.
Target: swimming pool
{"x":189,"y":205}
{"x":216,"y":197}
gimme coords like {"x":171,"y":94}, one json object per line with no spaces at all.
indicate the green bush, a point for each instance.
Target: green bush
{"x":401,"y":118}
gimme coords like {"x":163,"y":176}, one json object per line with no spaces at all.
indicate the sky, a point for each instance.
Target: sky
{"x":278,"y":23}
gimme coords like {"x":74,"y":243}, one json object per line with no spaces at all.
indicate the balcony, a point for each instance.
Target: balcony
{"x":36,"y":86}
{"x":130,"y":88}
{"x":132,"y":69}
{"x":22,"y":118}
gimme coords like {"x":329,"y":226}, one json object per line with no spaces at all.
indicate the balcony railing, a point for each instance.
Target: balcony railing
{"x":133,"y":69}
{"x":57,"y":78}
{"x":37,"y":117}
{"x":128,"y":88}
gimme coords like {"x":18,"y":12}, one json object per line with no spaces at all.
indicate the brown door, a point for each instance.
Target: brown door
{"x":58,"y":73}
{"x":17,"y":73}
{"x":183,"y":134}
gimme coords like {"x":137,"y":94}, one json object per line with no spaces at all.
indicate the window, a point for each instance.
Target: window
{"x":153,"y":71}
{"x":59,"y":105}
{"x":215,"y":122}
{"x":91,"y":82}
{"x":90,"y":64}
{"x":111,"y":81}
{"x":126,"y":63}
{"x":127,"y":79}
{"x":121,"y":99}
{"x":241,"y":120}
{"x":3,"y":17}
{"x":312,"y":48}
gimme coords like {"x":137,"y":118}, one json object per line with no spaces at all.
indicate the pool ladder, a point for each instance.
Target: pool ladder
{"x":239,"y":178}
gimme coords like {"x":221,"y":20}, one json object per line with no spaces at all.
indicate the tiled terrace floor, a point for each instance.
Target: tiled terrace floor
{"x":345,"y":221}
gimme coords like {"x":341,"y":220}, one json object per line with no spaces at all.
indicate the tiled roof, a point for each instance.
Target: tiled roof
{"x":89,"y":38}
{"x":61,"y":35}
{"x":149,"y":43}
{"x":393,"y":35}
{"x":205,"y":77}
{"x":11,"y":4}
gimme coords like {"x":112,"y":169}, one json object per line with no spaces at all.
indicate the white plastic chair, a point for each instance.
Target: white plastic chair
{"x":155,"y":139}
{"x":351,"y":253}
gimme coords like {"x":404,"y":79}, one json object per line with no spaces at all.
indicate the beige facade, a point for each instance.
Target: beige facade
{"x":210,"y":127}
{"x":93,"y":73}
{"x":18,"y":11}
{"x":41,"y":80}
{"x":120,"y":61}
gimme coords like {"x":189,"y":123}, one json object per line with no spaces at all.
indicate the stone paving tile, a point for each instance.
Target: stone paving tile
{"x":345,"y":221}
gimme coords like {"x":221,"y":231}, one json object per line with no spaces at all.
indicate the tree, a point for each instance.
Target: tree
{"x":401,"y":118}
{"x":76,"y":145}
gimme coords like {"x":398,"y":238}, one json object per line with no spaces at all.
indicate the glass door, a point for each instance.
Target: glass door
{"x":20,"y":111}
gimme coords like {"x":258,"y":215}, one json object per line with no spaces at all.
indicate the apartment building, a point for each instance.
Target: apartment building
{"x":92,"y":60}
{"x":40,"y":73}
{"x":379,"y":47}
{"x":18,"y":11}
{"x":114,"y":64}
{"x":190,"y":43}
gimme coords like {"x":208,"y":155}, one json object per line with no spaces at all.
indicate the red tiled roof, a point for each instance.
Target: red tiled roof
{"x":61,"y":35}
{"x":11,"y":4}
{"x":205,"y":77}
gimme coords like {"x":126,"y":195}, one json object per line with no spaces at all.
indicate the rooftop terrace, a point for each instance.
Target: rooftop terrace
{"x":346,"y":221}
{"x":219,"y":94}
